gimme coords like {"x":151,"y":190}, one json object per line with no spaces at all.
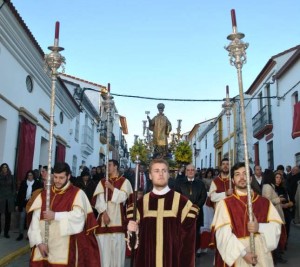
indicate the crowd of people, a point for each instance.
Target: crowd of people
{"x":180,"y":214}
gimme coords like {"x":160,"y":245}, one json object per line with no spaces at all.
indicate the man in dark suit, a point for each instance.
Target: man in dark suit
{"x":257,"y":180}
{"x":194,"y":190}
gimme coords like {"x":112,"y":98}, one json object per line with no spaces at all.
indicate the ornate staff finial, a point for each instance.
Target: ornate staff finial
{"x":53,"y":61}
{"x":237,"y":54}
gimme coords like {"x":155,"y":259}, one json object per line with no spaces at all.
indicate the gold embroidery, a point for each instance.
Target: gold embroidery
{"x":186,"y":210}
{"x":160,"y":214}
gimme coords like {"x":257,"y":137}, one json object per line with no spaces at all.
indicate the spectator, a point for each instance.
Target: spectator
{"x":268,"y":191}
{"x":27,"y":187}
{"x":209,"y":175}
{"x":257,"y":180}
{"x":286,"y":204}
{"x":7,"y":197}
{"x":86,"y":184}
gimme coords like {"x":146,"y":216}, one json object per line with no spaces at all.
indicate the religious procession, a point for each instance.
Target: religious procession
{"x":209,"y":197}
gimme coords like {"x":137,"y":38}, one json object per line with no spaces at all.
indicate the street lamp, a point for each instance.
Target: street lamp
{"x":196,"y":152}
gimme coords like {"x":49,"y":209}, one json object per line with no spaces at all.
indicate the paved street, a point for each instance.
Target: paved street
{"x":292,"y":253}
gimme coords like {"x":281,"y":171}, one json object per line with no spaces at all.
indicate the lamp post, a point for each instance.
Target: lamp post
{"x":227,"y":106}
{"x":196,"y":152}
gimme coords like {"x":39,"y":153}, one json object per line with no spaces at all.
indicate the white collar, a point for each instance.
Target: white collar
{"x":29,"y":183}
{"x":190,"y":179}
{"x":161,"y":192}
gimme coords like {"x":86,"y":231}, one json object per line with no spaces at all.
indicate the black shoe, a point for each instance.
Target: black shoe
{"x":6,"y":236}
{"x":20,"y":237}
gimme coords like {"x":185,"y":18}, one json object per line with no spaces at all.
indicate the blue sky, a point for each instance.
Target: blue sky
{"x":163,"y":48}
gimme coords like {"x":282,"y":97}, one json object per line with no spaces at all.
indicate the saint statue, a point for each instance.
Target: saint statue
{"x":161,"y":127}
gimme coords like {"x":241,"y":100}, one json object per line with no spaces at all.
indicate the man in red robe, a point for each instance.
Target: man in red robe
{"x":231,"y":226}
{"x":219,"y":188}
{"x":112,"y":226}
{"x":165,"y":224}
{"x":71,"y":226}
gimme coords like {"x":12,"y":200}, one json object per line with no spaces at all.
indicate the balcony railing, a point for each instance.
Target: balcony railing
{"x":262,"y":122}
{"x":87,"y":141}
{"x":218,"y":138}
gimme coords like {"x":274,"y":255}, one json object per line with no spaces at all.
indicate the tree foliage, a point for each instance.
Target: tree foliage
{"x":139,"y":148}
{"x":183,"y":153}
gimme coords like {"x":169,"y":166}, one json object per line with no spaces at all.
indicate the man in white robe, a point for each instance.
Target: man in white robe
{"x":232,"y":227}
{"x":71,"y":240}
{"x":112,"y":225}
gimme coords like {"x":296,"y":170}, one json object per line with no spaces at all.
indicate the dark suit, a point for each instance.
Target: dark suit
{"x":257,"y":188}
{"x":195,"y":191}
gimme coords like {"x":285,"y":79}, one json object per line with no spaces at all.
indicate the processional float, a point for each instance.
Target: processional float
{"x":237,"y":53}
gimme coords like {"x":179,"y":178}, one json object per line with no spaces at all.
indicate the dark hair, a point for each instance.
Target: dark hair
{"x":280,"y":168}
{"x":209,"y":170}
{"x":8,"y":169}
{"x":30,"y":171}
{"x":158,"y":160}
{"x":85,"y":173}
{"x":60,"y":167}
{"x":269,"y":177}
{"x":236,"y":167}
{"x":45,"y":167}
{"x":115,"y":163}
{"x":224,"y":159}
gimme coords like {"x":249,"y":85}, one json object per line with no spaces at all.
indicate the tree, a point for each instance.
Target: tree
{"x":183,"y":153}
{"x":139,"y":148}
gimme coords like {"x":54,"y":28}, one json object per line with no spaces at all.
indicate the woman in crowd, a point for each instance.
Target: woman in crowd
{"x":286,"y":204}
{"x":7,"y":196}
{"x":268,"y":191}
{"x":27,"y":187}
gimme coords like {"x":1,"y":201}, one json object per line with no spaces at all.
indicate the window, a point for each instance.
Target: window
{"x":205,"y":141}
{"x":29,"y":84}
{"x":270,"y":155}
{"x":209,"y":160}
{"x":297,"y":158}
{"x":74,"y":165}
{"x":77,"y":122}
{"x":61,"y":117}
{"x":295,"y":98}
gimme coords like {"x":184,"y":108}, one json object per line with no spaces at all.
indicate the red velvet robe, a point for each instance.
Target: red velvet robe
{"x":166,"y":230}
{"x":237,"y":209}
{"x":221,"y":184}
{"x":85,"y":242}
{"x":102,"y":229}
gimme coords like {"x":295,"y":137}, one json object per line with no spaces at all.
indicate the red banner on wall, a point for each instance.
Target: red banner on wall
{"x":296,"y":121}
{"x":26,"y":145}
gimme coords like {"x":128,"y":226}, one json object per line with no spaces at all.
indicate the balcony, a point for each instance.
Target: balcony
{"x":262,"y":122}
{"x":87,"y":142}
{"x":218,"y":139}
{"x":103,"y":138}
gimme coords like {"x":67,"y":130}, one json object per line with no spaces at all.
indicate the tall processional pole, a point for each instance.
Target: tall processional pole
{"x":227,"y":105}
{"x":53,"y":61}
{"x":108,"y":104}
{"x":237,"y":53}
